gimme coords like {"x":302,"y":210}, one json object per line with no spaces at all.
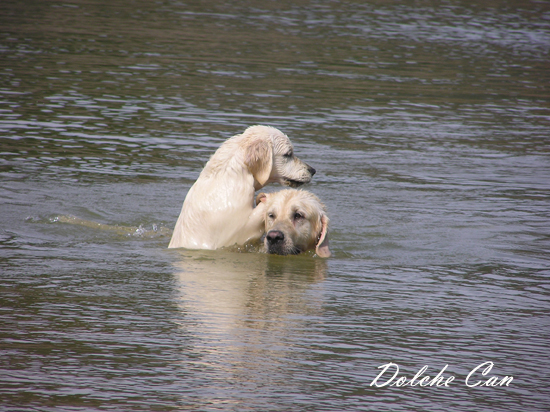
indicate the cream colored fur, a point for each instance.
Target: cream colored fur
{"x":295,"y":221}
{"x":219,"y":208}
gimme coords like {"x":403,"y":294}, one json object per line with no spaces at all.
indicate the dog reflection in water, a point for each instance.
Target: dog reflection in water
{"x":236,"y":309}
{"x":295,"y":221}
{"x":223,"y":288}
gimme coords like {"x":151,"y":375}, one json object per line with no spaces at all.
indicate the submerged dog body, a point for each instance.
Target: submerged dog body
{"x":219,"y":208}
{"x":295,"y":221}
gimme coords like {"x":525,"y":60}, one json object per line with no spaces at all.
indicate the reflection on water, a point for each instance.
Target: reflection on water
{"x":244,"y":310}
{"x":428,"y":126}
{"x":231,"y":289}
{"x":245,"y":315}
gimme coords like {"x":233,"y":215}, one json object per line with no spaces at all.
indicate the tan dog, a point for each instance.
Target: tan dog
{"x":295,"y":221}
{"x":219,"y":208}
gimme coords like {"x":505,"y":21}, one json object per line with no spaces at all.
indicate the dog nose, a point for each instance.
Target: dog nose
{"x":311,"y":170}
{"x":275,"y":236}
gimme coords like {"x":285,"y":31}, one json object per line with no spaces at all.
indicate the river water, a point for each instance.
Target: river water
{"x":428,"y":124}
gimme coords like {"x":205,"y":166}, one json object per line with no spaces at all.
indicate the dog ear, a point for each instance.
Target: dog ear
{"x":259,"y":159}
{"x":322,"y":244}
{"x":261,"y":197}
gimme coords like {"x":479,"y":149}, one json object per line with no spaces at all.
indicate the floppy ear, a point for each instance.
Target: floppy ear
{"x":259,"y":159}
{"x":261,"y":197}
{"x":322,"y":244}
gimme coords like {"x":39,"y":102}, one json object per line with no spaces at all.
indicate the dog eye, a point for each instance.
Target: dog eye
{"x":298,"y":216}
{"x":271,"y":215}
{"x":288,"y":154}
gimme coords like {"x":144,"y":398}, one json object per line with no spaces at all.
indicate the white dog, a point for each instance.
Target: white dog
{"x":295,"y":221}
{"x":219,"y":208}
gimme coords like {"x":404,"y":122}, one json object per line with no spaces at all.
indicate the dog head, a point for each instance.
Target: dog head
{"x":269,"y":156}
{"x":295,"y":221}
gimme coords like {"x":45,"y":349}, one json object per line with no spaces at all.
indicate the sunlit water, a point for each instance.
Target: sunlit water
{"x":428,"y":125}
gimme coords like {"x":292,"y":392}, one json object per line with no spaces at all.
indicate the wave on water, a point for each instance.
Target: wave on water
{"x":142,"y":231}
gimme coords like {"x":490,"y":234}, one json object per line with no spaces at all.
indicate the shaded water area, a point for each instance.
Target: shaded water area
{"x":428,"y":124}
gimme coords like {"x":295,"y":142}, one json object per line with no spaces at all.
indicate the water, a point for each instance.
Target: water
{"x":428,"y":125}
